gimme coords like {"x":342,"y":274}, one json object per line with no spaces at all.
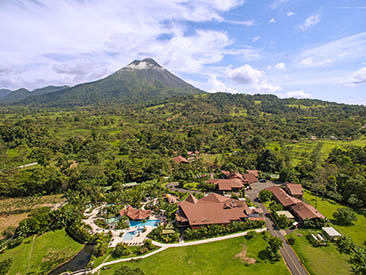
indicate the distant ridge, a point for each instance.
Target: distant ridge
{"x":139,"y":81}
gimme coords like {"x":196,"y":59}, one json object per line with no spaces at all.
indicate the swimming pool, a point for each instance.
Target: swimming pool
{"x":153,"y":223}
{"x":130,"y":235}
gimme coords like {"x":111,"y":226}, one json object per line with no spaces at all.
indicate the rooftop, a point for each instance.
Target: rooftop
{"x":282,"y":196}
{"x":294,"y":189}
{"x":212,"y":209}
{"x":331,"y":232}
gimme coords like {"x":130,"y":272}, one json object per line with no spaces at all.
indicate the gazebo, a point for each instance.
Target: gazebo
{"x":135,"y":214}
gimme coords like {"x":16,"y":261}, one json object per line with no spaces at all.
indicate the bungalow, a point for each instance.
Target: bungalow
{"x":297,"y":207}
{"x":180,"y":159}
{"x":254,"y":172}
{"x":135,"y":214}
{"x":294,"y":190}
{"x":282,"y":197}
{"x":227,"y":185}
{"x":304,"y":211}
{"x":250,"y":178}
{"x":212,"y":209}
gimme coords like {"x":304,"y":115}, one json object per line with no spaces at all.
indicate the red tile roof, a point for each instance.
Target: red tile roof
{"x":236,"y":176}
{"x":227,"y":184}
{"x":306,"y":211}
{"x":191,"y":199}
{"x":135,"y":214}
{"x":250,"y":178}
{"x":282,"y":196}
{"x":254,"y":172}
{"x":212,"y":209}
{"x":294,"y":189}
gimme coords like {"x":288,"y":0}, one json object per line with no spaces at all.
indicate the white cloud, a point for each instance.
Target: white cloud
{"x":344,"y":49}
{"x":290,"y":13}
{"x":280,"y":66}
{"x":251,"y":77}
{"x":58,"y":33}
{"x":309,"y":61}
{"x":272,"y":20}
{"x":216,"y":85}
{"x":310,"y":21}
{"x":277,"y":3}
{"x":256,"y":38}
{"x":355,"y":78}
{"x":296,"y":94}
{"x":247,"y":23}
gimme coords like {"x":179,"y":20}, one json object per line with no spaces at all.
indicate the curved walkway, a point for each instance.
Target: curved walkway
{"x":166,"y":246}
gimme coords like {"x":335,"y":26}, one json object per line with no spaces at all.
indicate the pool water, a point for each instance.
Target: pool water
{"x":130,"y":235}
{"x":153,"y":223}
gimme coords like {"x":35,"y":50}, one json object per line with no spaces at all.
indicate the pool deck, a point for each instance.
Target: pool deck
{"x":138,"y":240}
{"x":117,"y":235}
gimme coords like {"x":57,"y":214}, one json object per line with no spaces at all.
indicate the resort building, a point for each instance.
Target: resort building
{"x":250,"y":178}
{"x":135,"y":214}
{"x":254,"y":172}
{"x":294,"y":190}
{"x":227,"y":185}
{"x":304,"y":211}
{"x":282,"y":197}
{"x":213,"y":209}
{"x":297,"y":207}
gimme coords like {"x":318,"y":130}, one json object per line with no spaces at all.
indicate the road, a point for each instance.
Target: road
{"x":287,"y":252}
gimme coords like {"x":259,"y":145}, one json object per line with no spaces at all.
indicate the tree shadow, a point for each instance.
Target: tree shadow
{"x":264,"y":255}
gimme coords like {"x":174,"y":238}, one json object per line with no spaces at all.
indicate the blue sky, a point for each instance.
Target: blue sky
{"x":291,"y":48}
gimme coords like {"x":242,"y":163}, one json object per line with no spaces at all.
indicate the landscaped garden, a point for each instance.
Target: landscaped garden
{"x":41,"y":254}
{"x":232,"y":256}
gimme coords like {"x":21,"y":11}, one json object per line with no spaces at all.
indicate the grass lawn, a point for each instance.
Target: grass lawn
{"x":28,"y":256}
{"x":320,"y":260}
{"x":327,"y":207}
{"x":212,"y":258}
{"x":301,"y":150}
{"x":210,"y":158}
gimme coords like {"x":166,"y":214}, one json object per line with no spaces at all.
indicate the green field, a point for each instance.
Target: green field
{"x":327,"y":207}
{"x":28,"y":256}
{"x":212,"y":258}
{"x":320,"y":260}
{"x":301,"y":150}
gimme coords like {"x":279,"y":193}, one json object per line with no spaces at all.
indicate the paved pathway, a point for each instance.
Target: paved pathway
{"x":166,"y":246}
{"x":27,"y":165}
{"x":288,"y":254}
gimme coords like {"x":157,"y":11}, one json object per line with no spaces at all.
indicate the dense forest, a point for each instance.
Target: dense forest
{"x":99,"y":146}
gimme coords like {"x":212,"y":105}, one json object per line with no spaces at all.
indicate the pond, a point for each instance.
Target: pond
{"x":80,"y":261}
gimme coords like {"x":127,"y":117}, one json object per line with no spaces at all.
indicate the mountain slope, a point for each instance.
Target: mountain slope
{"x":140,"y":81}
{"x":4,"y":92}
{"x":16,"y":95}
{"x":48,"y":89}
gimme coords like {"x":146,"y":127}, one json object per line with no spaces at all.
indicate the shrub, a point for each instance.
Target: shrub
{"x":291,"y":240}
{"x":345,"y":216}
{"x":5,"y":266}
{"x":121,"y":250}
{"x":265,"y":195}
{"x":220,"y":230}
{"x":8,"y":232}
{"x":250,"y":235}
